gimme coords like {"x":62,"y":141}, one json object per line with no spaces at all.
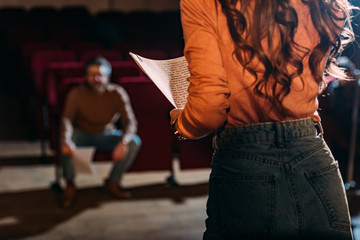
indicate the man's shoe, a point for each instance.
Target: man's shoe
{"x":68,"y":196}
{"x":114,"y":189}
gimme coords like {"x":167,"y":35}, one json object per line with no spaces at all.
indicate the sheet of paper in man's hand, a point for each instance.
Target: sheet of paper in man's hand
{"x":170,"y":76}
{"x":82,"y":160}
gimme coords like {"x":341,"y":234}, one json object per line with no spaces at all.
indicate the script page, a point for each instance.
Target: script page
{"x":170,"y":76}
{"x":82,"y":160}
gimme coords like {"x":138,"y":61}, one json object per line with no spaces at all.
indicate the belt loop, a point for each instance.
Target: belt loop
{"x":319,"y":128}
{"x":279,"y":141}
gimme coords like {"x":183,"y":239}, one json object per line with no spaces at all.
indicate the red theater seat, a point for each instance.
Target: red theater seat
{"x":195,"y":153}
{"x":151,"y":107}
{"x":152,"y":113}
{"x":29,"y":49}
{"x":56,"y":74}
{"x":41,"y":61}
{"x":79,"y":47}
{"x":110,"y":55}
{"x":125,"y":69}
{"x":64,"y":85}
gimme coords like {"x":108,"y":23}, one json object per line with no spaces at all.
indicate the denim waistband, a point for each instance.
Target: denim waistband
{"x":268,"y":132}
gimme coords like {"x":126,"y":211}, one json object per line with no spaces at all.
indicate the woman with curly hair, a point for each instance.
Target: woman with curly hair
{"x":257,"y":67}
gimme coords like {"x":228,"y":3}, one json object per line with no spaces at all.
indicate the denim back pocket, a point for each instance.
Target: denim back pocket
{"x":327,"y":184}
{"x":246,"y":206}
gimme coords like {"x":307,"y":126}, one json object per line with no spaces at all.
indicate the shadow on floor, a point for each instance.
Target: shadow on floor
{"x":35,"y":212}
{"x":27,"y":214}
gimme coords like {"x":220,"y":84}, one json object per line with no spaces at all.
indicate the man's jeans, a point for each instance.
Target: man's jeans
{"x":275,"y":181}
{"x":107,"y":142}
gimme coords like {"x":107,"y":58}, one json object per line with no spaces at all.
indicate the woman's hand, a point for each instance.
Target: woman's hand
{"x":174,"y":114}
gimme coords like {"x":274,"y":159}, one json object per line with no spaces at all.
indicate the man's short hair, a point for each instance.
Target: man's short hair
{"x":100,"y":61}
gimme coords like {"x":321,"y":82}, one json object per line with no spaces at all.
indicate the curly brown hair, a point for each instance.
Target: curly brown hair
{"x":257,"y":20}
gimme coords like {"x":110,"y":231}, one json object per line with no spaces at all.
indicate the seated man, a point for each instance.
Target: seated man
{"x":88,"y":119}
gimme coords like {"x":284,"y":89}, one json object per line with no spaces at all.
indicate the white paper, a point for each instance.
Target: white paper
{"x":170,"y":76}
{"x":82,"y":160}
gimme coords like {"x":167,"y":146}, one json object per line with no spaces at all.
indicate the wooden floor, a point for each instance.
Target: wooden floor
{"x":157,"y":211}
{"x":29,"y":208}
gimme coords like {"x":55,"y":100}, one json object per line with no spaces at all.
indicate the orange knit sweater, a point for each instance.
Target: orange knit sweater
{"x":220,"y":92}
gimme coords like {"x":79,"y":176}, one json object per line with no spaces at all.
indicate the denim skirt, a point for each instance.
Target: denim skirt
{"x":275,"y":181}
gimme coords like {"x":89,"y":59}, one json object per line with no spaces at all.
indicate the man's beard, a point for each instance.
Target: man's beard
{"x":100,"y":88}
{"x":97,"y":88}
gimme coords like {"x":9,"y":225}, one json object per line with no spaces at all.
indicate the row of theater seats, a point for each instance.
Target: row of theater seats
{"x":49,"y":47}
{"x":43,"y":61}
{"x":18,"y":25}
{"x":117,"y":51}
{"x":29,"y":38}
{"x":37,"y":57}
{"x":24,"y":32}
{"x":56,"y":71}
{"x":152,"y":112}
{"x":48,"y":65}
